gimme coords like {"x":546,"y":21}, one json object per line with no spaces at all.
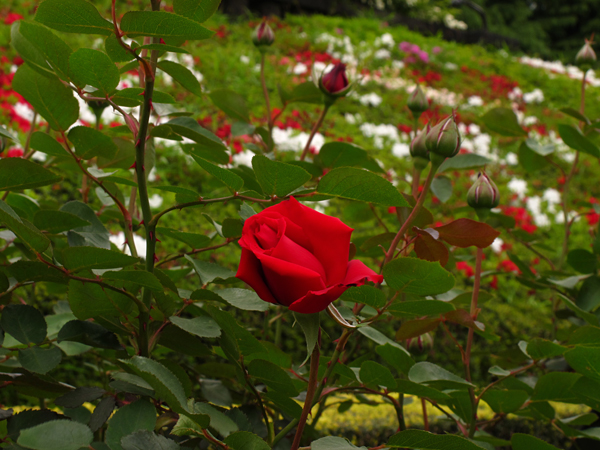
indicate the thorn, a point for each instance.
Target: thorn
{"x":142,"y":223}
{"x":151,"y":107}
{"x":143,"y":168}
{"x":157,"y":239}
{"x":138,"y":142}
{"x":155,"y":258}
{"x":162,"y":41}
{"x":142,"y":93}
{"x":133,"y":166}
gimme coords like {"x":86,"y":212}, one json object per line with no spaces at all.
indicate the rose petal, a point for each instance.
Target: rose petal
{"x":251,"y":273}
{"x":329,"y":237}
{"x":357,"y":274}
{"x":288,"y":250}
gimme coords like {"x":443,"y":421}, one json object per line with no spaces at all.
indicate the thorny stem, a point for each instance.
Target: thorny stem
{"x":310,"y":392}
{"x":474,"y":312}
{"x":193,"y":252}
{"x":416,"y":179}
{"x":390,"y":253}
{"x":425,"y":418}
{"x":316,"y":127}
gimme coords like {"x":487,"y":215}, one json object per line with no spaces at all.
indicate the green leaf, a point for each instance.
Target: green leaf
{"x":333,"y":443}
{"x":140,"y":277}
{"x":40,"y":360}
{"x":310,"y":324}
{"x":198,"y":10}
{"x":79,"y":396}
{"x":358,"y":184}
{"x":535,"y":146}
{"x":418,"y":277}
{"x":541,"y":349}
{"x":94,"y":68}
{"x":24,"y":230}
{"x":380,"y":338}
{"x":115,"y":51}
{"x":101,"y":413}
{"x":586,"y":336}
{"x":529,"y":159}
{"x":49,"y":97}
{"x":134,"y":97}
{"x":441,"y":187}
{"x":88,"y":333}
{"x":73,"y":16}
{"x":585,"y":360}
{"x":201,"y":326}
{"x":575,"y":114}
{"x":139,"y":415}
{"x":126,"y":382}
{"x":147,"y":440}
{"x":273,"y":376}
{"x":4,"y":133}
{"x":436,"y":376}
{"x":427,"y":441}
{"x":417,"y":327}
{"x":373,"y":375}
{"x":306,"y":92}
{"x":208,"y":272}
{"x":398,"y":358}
{"x":504,"y":122}
{"x":420,"y":390}
{"x":56,"y":434}
{"x":413,"y":309}
{"x":244,"y":299}
{"x":182,"y":75}
{"x":166,"y":385}
{"x":278,"y":178}
{"x":342,"y":154}
{"x":85,"y":258}
{"x":504,"y":401}
{"x":230,"y":179}
{"x":245,"y":342}
{"x":244,"y":440}
{"x":41,"y":48}
{"x":25,"y":323}
{"x":57,"y":221}
{"x":232,"y":227}
{"x":583,"y":261}
{"x":367,"y":295}
{"x":527,"y":442}
{"x":94,"y":235}
{"x":556,"y":386}
{"x":194,"y":240}
{"x":45,"y":143}
{"x":164,"y":48}
{"x":17,"y":174}
{"x":162,"y":24}
{"x":231,"y":103}
{"x":464,"y":162}
{"x":91,"y":300}
{"x":189,"y":128}
{"x":572,"y":137}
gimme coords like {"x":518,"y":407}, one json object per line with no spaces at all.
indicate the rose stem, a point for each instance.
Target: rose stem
{"x":390,"y":253}
{"x":318,"y":124}
{"x":330,"y":366}
{"x":425,"y":418}
{"x":467,"y":361}
{"x":416,"y":175}
{"x":267,"y":102}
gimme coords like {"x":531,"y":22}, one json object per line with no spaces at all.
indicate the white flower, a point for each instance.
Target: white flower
{"x":382,"y":53}
{"x":140,"y":243}
{"x":475,"y":100}
{"x":155,"y":201}
{"x":245,"y":59}
{"x":518,"y":187}
{"x":497,"y":245}
{"x":535,"y":96}
{"x":400,"y":150}
{"x":370,"y":99}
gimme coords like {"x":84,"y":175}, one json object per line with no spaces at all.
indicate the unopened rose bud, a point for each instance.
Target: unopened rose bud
{"x":132,"y":123}
{"x":334,"y":83}
{"x":586,"y":56}
{"x":420,"y":345}
{"x":418,"y":148}
{"x":417,"y":102}
{"x":443,"y":140}
{"x":483,"y":195}
{"x":263,"y":35}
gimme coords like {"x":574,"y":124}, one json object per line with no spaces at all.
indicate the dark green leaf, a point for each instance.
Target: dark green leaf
{"x":367,"y":295}
{"x":92,"y":301}
{"x":40,"y":360}
{"x":45,"y":143}
{"x":244,"y":299}
{"x":135,"y":96}
{"x":127,"y":382}
{"x":418,"y":277}
{"x":189,"y":128}
{"x":182,"y":75}
{"x":556,"y":386}
{"x":194,"y":240}
{"x":56,"y":435}
{"x":420,"y":390}
{"x":505,"y":401}
{"x":17,"y":174}
{"x":245,"y":342}
{"x":575,"y":114}
{"x":164,"y":48}
{"x":583,"y":261}
{"x":585,"y":360}
{"x":231,"y":103}
{"x":73,"y":16}
{"x":115,"y":51}
{"x":306,"y":92}
{"x":244,"y":440}
{"x":25,"y":323}
{"x":84,"y":258}
{"x":541,"y":349}
{"x":277,"y":178}
{"x":95,"y":235}
{"x":230,"y":179}
{"x":88,"y":333}
{"x":273,"y":376}
{"x":417,"y":327}
{"x":503,"y":121}
{"x":436,"y":376}
{"x":25,"y":231}
{"x":333,"y":443}
{"x":201,"y":326}
{"x":162,"y":24}
{"x":464,"y":162}
{"x":572,"y":137}
{"x":420,"y":308}
{"x":57,"y":221}
{"x":94,"y":68}
{"x":527,"y":442}
{"x":49,"y":97}
{"x":358,"y":184}
{"x":198,"y":10}
{"x":396,"y":357}
{"x":90,"y":143}
{"x":374,"y":375}
{"x":101,"y":413}
{"x":441,"y":187}
{"x":232,"y":228}
{"x":427,"y":441}
{"x":587,"y":336}
{"x":208,"y":272}
{"x":139,"y":415}
{"x":147,"y":440}
{"x":530,"y":160}
{"x":79,"y":396}
{"x":140,"y":277}
{"x":310,"y":324}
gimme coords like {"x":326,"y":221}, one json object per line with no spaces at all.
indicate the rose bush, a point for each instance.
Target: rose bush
{"x":297,"y":257}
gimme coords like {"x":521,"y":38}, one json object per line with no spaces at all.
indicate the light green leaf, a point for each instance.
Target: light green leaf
{"x":504,"y":401}
{"x":413,"y":309}
{"x":73,"y":16}
{"x":57,"y":221}
{"x":189,"y":128}
{"x":278,"y":178}
{"x":201,"y":326}
{"x":194,"y":240}
{"x":93,"y":67}
{"x":230,"y":179}
{"x":134,"y":96}
{"x":418,"y":277}
{"x":209,"y":272}
{"x":424,"y":440}
{"x":56,"y":435}
{"x":585,"y":360}
{"x":45,"y":143}
{"x":244,"y":299}
{"x":182,"y":75}
{"x":94,"y":235}
{"x":89,"y":300}
{"x":140,"y":277}
{"x":367,"y":295}
{"x":162,"y":24}
{"x":573,"y":137}
{"x":464,"y":162}
{"x":358,"y":184}
{"x":86,"y":258}
{"x":164,"y":48}
{"x":436,"y":376}
{"x":25,"y":231}
{"x":49,"y":97}
{"x":373,"y":374}
{"x":198,"y":10}
{"x":115,"y":51}
{"x":441,"y":187}
{"x":333,"y":443}
{"x":244,"y":440}
{"x":398,"y":358}
{"x":527,"y":442}
{"x":17,"y":174}
{"x":503,"y":121}
{"x":231,"y":103}
{"x":147,"y":440}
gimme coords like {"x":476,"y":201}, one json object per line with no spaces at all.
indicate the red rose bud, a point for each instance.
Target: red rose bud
{"x":483,"y":195}
{"x":417,"y":102}
{"x":586,"y":56}
{"x":335,"y":82}
{"x":418,"y":148}
{"x":263,"y":35}
{"x":443,"y":140}
{"x":297,"y":257}
{"x":420,"y":345}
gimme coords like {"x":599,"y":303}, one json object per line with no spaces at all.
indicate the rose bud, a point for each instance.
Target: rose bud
{"x":263,"y":35}
{"x":483,"y":195}
{"x":297,"y":257}
{"x":417,"y":102}
{"x":418,"y":148}
{"x":443,"y":140}
{"x":420,"y":345}
{"x":334,"y":83}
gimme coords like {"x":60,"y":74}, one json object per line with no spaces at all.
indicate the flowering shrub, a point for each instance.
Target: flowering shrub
{"x":176,"y":279}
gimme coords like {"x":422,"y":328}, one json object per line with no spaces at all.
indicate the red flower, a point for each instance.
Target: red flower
{"x":335,"y":80}
{"x":467,"y":269}
{"x":12,"y":17}
{"x":295,"y":256}
{"x":14,"y":153}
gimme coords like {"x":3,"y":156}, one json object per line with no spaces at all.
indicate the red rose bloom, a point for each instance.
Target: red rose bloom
{"x":335,"y":80}
{"x":295,"y":256}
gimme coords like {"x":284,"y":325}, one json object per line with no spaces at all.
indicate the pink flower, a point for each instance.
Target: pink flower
{"x":415,"y":48}
{"x":14,"y":153}
{"x":405,"y":46}
{"x":424,"y":56}
{"x":435,"y":50}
